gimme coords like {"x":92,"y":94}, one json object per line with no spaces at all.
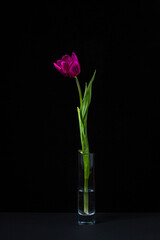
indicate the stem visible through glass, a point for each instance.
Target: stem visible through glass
{"x":86,"y":196}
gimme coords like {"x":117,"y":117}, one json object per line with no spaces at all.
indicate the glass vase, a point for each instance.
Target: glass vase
{"x":86,"y":188}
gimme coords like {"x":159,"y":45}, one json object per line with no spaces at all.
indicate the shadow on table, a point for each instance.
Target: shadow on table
{"x":109,"y":217}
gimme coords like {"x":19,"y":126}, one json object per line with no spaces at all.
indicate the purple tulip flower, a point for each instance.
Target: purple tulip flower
{"x":68,"y":66}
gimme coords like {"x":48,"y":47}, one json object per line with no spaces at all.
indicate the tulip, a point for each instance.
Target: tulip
{"x":68,"y":66}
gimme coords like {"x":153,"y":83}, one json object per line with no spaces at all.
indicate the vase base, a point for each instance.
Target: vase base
{"x":86,"y":219}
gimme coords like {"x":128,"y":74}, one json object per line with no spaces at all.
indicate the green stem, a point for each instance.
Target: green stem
{"x":86,"y":178}
{"x":86,"y":163}
{"x":79,"y":91}
{"x":86,"y":207}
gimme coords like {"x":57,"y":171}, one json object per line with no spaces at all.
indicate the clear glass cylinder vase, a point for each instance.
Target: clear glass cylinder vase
{"x":86,"y":188}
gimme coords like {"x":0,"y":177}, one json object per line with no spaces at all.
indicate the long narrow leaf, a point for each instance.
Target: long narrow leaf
{"x":87,"y":97}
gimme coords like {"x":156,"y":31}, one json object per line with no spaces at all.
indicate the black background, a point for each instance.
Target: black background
{"x":39,"y":130}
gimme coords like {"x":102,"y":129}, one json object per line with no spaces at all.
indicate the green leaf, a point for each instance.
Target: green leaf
{"x":82,"y":117}
{"x":85,"y":88}
{"x":87,"y":97}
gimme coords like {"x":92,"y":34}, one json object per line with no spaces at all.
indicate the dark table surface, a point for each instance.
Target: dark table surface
{"x":37,"y":226}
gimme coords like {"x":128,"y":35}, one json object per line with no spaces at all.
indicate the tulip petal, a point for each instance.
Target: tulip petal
{"x":65,"y":66}
{"x":59,"y":62}
{"x":74,"y":57}
{"x":66,"y":58}
{"x":56,"y":66}
{"x":74,"y":69}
